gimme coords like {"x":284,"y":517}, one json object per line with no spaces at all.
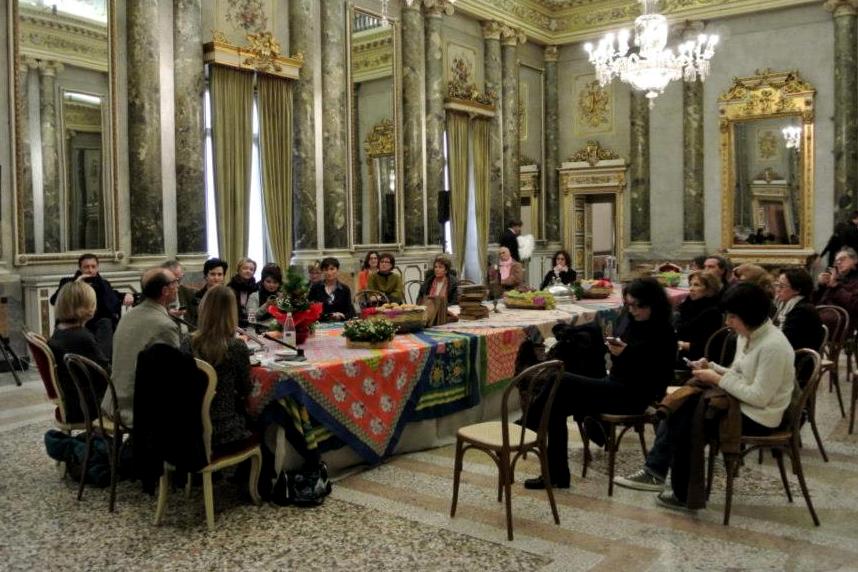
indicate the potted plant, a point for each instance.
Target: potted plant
{"x":375,"y":333}
{"x":293,"y":299}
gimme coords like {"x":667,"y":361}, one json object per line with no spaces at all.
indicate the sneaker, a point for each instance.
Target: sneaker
{"x":641,"y":481}
{"x":668,"y":500}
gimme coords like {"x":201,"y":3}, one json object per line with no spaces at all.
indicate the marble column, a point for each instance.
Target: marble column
{"x":144,"y":128}
{"x":413,"y":88}
{"x":692,"y":160}
{"x":493,"y":78}
{"x":639,"y":168}
{"x":510,"y":39}
{"x":435,"y":116}
{"x":302,"y":27}
{"x":552,"y":157}
{"x":26,"y":182}
{"x":845,"y":101}
{"x":50,"y":154}
{"x":189,"y":82}
{"x":334,"y":123}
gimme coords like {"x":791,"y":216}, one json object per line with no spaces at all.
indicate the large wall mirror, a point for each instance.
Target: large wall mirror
{"x":767,"y":168}
{"x":64,"y":106}
{"x":375,"y":151}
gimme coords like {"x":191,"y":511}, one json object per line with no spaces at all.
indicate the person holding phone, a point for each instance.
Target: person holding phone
{"x":642,"y":358}
{"x":838,"y":285}
{"x":698,"y":316}
{"x":266,"y":294}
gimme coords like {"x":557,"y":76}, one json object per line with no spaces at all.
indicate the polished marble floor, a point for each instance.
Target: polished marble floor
{"x":396,"y":516}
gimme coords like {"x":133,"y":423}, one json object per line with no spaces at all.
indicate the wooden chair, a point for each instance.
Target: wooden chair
{"x":86,"y":375}
{"x":505,"y":442}
{"x":216,"y":462}
{"x":785,"y":440}
{"x":47,"y":366}
{"x":811,"y":404}
{"x":369,"y":298}
{"x":836,"y":319}
{"x":412,"y":291}
{"x":721,"y":346}
{"x":609,"y":424}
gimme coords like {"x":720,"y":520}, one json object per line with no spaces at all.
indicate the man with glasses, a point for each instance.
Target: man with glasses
{"x":185,"y":293}
{"x":838,"y":285}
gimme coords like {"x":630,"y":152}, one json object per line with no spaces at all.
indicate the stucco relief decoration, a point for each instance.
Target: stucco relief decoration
{"x":468,"y":57}
{"x":247,"y":15}
{"x":594,"y":106}
{"x":765,"y":93}
{"x":264,"y":51}
{"x":461,"y":86}
{"x":768,"y":145}
{"x":592,"y":153}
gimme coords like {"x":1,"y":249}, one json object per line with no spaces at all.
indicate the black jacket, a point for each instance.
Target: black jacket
{"x":696,"y":321}
{"x":340,"y":300}
{"x":510,"y":240}
{"x":452,"y":288}
{"x":567,"y":277}
{"x":803,"y":327}
{"x":108,"y":300}
{"x":646,"y":365}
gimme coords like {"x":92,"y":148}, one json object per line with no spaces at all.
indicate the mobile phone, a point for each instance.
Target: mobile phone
{"x":612,"y":341}
{"x":687,"y":361}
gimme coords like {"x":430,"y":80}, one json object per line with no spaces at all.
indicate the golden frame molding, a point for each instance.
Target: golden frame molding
{"x":768,"y":95}
{"x":261,"y":55}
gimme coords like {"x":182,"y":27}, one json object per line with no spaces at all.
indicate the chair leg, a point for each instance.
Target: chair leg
{"x":163,"y":491}
{"x":611,"y":445}
{"x":811,"y":417}
{"x":83,"y":467}
{"x":457,"y":472}
{"x":189,"y":481}
{"x":779,"y":457}
{"x":543,"y":462}
{"x":710,"y":468}
{"x":587,"y":457}
{"x":116,"y":447}
{"x":507,"y":489}
{"x":253,"y":482}
{"x":835,"y":377}
{"x":796,"y":464}
{"x":640,"y":429}
{"x":852,"y":406}
{"x":732,"y":467}
{"x":208,"y":497}
{"x":759,"y":456}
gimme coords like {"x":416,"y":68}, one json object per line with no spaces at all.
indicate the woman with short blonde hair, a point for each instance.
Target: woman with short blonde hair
{"x":76,"y":303}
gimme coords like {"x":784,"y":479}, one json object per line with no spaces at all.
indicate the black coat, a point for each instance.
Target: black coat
{"x":108,"y":301}
{"x":567,"y":277}
{"x":803,"y":327}
{"x":510,"y":240}
{"x":340,"y":300}
{"x":696,"y":321}
{"x":646,"y":364}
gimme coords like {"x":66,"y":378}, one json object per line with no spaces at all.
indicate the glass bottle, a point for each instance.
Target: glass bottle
{"x":289,"y":335}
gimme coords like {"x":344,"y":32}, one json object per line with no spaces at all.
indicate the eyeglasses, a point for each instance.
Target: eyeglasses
{"x":385,"y":261}
{"x":780,"y":285}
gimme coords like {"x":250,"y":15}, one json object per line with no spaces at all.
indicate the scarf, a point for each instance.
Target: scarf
{"x":785,"y":308}
{"x":439,"y":287}
{"x":243,"y":286}
{"x":505,"y":268}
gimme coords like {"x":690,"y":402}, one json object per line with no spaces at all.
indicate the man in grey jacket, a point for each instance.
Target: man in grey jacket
{"x":144,"y":325}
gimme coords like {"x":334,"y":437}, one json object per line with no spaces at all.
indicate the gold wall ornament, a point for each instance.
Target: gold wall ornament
{"x":461,"y":87}
{"x":768,"y":145}
{"x":381,"y":140}
{"x":261,"y":55}
{"x":592,"y":153}
{"x":264,"y":51}
{"x":594,"y":104}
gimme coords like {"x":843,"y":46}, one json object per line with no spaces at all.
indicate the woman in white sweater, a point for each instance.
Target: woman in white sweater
{"x":762,"y":378}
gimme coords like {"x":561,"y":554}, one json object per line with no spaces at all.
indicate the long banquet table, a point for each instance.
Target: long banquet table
{"x":414,"y":393}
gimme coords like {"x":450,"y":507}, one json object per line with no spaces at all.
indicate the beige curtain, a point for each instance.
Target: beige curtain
{"x":457,"y":135}
{"x":482,"y":158}
{"x":232,"y":134}
{"x":275,"y":138}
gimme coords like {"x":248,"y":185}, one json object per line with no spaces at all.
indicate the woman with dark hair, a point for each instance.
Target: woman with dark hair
{"x":796,"y":316}
{"x":336,"y":297}
{"x":642,"y":356}
{"x":368,"y":268}
{"x":560,"y":270}
{"x":762,"y":378}
{"x":214,"y":272}
{"x":440,"y":282}
{"x":698,"y":316}
{"x":243,"y":283}
{"x":387,"y":280}
{"x":266,"y":293}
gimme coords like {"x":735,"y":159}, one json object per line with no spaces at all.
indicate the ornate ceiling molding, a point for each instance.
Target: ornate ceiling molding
{"x":64,"y":38}
{"x":568,"y":21}
{"x":372,"y":54}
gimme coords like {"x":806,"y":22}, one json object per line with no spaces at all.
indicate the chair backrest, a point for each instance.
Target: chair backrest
{"x":368,"y":298}
{"x":837,"y":321}
{"x":47,"y":366}
{"x":206,"y":414}
{"x":412,"y":291}
{"x":824,"y":339}
{"x":721,"y":346}
{"x":89,"y":377}
{"x":807,"y":374}
{"x":530,"y":384}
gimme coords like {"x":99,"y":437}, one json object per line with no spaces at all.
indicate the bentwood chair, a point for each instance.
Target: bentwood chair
{"x":836,"y":319}
{"x":216,"y":460}
{"x":88,"y":377}
{"x":47,"y":366}
{"x":370,"y":298}
{"x":412,"y":291}
{"x":721,"y":346}
{"x":783,"y":441}
{"x":505,"y":442}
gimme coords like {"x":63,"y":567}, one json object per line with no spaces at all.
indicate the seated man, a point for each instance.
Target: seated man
{"x":186,"y":293}
{"x":145,"y":324}
{"x":108,"y":301}
{"x":838,"y":286}
{"x":214,"y":271}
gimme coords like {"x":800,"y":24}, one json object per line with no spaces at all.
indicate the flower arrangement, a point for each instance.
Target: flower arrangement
{"x":537,"y":300}
{"x":375,"y":331}
{"x":293,"y":297}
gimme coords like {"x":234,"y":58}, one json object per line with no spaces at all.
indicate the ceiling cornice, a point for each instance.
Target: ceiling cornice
{"x":587,"y":19}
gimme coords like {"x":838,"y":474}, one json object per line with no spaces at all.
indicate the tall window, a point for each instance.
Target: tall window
{"x":257,"y":229}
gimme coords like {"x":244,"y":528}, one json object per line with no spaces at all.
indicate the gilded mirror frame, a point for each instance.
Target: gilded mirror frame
{"x":768,"y":95}
{"x":111,"y":251}
{"x":355,"y":145}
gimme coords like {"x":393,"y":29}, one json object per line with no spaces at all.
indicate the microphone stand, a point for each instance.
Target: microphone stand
{"x":299,"y":351}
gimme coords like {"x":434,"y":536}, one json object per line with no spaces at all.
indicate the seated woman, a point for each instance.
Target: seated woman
{"x":269,"y":286}
{"x":755,"y":275}
{"x":314,"y":272}
{"x":214,"y":272}
{"x":336,"y":298}
{"x":215,"y":342}
{"x":642,"y":356}
{"x":244,"y":284}
{"x":386,"y":280}
{"x":369,"y":267}
{"x":560,"y":271}
{"x":796,"y":316}
{"x":762,"y":378}
{"x":510,"y":270}
{"x":440,"y":283}
{"x":698,"y":316}
{"x":76,"y":304}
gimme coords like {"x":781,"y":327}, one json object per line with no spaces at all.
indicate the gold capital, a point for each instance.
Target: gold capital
{"x":492,"y":30}
{"x":552,"y":54}
{"x":842,"y":7}
{"x":512,"y":36}
{"x":437,"y":8}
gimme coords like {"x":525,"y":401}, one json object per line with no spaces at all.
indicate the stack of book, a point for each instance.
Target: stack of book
{"x":471,"y":302}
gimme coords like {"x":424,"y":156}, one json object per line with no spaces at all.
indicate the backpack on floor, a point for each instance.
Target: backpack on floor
{"x":304,"y":488}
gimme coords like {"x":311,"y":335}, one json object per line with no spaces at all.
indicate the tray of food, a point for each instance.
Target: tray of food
{"x":535,"y":300}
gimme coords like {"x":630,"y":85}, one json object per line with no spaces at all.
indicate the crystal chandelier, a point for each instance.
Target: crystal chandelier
{"x":385,"y":5}
{"x":650,"y":67}
{"x":792,"y":137}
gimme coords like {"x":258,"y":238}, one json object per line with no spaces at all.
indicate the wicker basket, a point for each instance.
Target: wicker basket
{"x":405,"y":322}
{"x":366,"y":345}
{"x":598,"y":292}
